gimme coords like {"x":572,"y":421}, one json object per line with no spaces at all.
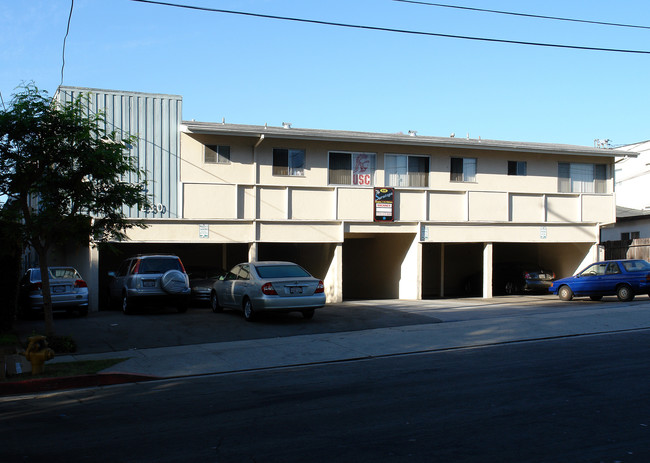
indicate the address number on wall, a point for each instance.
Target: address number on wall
{"x":158,"y":208}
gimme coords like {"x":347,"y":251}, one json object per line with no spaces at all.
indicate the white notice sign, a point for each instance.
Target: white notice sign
{"x":204,"y":230}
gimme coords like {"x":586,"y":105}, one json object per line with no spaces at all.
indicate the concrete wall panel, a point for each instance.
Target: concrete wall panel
{"x":206,"y":201}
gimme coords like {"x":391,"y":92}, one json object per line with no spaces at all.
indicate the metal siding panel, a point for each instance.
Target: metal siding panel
{"x":155,"y":120}
{"x":164,"y":153}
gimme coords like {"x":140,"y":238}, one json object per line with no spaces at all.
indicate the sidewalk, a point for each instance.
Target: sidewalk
{"x":227,"y":357}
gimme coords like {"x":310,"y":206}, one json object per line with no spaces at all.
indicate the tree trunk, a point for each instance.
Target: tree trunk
{"x":47,"y":295}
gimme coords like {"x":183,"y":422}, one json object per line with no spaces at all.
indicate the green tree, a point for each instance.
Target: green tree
{"x":65,"y":177}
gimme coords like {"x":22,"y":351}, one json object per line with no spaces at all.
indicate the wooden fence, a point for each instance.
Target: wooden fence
{"x":628,"y":249}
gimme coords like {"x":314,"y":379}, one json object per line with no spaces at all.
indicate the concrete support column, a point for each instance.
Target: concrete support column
{"x":487,"y":269}
{"x":410,"y":282}
{"x":252,"y":252}
{"x":442,"y":269}
{"x":93,"y":261}
{"x":334,"y":279}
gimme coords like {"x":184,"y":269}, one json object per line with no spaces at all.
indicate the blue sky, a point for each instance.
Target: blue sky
{"x":254,"y":71}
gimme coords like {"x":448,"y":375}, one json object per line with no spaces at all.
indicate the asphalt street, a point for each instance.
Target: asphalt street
{"x":577,"y":399}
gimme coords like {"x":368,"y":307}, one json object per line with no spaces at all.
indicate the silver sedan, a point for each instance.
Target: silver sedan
{"x":273,"y":286}
{"x":68,"y":290}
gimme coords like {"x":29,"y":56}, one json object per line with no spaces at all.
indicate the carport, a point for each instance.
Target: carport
{"x":375,"y":263}
{"x":193,"y":255}
{"x":316,"y":258}
{"x":446,"y":267}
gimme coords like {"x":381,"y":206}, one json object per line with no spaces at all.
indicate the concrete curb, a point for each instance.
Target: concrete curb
{"x":30,"y":386}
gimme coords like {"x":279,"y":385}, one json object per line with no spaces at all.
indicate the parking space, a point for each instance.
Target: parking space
{"x":107,"y":331}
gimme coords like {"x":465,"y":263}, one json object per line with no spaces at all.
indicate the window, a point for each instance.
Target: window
{"x":463,"y":169}
{"x":627,"y":236}
{"x":288,"y":162}
{"x":595,"y":269}
{"x":352,"y":169}
{"x":403,"y":170}
{"x":216,"y":154}
{"x":582,"y":178}
{"x":516,"y":167}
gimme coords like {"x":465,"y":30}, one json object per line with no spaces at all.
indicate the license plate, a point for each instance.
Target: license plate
{"x":295,"y":290}
{"x":58,"y":289}
{"x":148,"y":283}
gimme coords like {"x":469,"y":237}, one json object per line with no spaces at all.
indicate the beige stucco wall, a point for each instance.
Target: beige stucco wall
{"x":355,"y":204}
{"x":190,"y":232}
{"x":527,"y":208}
{"x":447,"y":206}
{"x":312,"y":204}
{"x":205,"y":200}
{"x":493,"y":197}
{"x":488,"y":206}
{"x":194,"y":170}
{"x":512,"y":233}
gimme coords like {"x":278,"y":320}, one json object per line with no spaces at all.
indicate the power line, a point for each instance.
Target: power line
{"x":67,"y":31}
{"x":537,"y":16}
{"x":400,"y":31}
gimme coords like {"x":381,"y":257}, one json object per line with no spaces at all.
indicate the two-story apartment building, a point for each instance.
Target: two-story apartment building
{"x":375,"y":215}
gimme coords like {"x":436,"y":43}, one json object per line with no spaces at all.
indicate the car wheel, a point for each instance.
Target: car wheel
{"x":214,"y":303}
{"x":511,"y":288}
{"x":308,"y":314}
{"x":83,"y":312}
{"x":624,"y":293}
{"x":249,"y":313}
{"x":127,"y":305}
{"x":596,"y":298}
{"x":565,"y":293}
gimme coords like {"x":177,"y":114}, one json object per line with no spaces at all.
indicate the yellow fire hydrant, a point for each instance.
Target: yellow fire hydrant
{"x":37,"y":353}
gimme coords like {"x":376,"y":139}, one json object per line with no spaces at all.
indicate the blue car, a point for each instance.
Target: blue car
{"x":625,"y":278}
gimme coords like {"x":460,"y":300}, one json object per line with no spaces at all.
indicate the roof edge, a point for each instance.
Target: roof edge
{"x":243,"y":130}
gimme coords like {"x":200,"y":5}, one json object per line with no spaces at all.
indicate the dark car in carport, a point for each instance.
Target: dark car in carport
{"x":202,"y":281}
{"x":513,"y":278}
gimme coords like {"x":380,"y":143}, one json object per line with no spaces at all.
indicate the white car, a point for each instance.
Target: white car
{"x":68,"y":290}
{"x":271,"y":286}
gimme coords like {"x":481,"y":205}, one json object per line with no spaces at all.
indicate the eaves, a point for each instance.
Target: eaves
{"x":256,"y":131}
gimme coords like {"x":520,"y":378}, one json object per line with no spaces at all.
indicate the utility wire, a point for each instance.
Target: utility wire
{"x":67,"y":31}
{"x":400,"y":31}
{"x":537,"y":16}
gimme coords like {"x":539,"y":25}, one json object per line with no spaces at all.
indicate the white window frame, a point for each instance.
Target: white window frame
{"x":220,"y":155}
{"x":468,"y":171}
{"x":294,"y":169}
{"x":360,"y":164}
{"x":406,"y":177}
{"x":576,"y":177}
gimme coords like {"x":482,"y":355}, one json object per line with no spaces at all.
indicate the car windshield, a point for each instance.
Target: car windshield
{"x":159,"y":265}
{"x":281,"y":271}
{"x":57,"y":273}
{"x":636,"y":266}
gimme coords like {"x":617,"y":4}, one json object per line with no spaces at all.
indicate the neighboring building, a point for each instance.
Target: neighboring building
{"x":632,"y":176}
{"x":238,"y":192}
{"x":631,"y":224}
{"x":630,"y":235}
